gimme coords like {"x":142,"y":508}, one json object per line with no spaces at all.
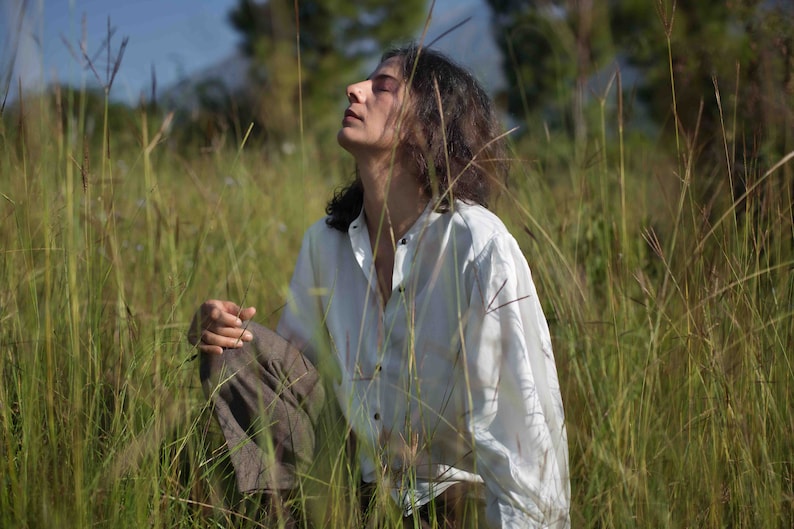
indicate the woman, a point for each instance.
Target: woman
{"x":425,"y":307}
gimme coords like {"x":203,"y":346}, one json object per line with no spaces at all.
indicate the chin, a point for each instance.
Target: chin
{"x":343,"y":141}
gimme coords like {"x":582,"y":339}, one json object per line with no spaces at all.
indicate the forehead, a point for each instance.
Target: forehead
{"x":391,"y":67}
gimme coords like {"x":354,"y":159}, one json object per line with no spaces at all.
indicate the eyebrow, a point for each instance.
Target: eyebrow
{"x":382,"y":76}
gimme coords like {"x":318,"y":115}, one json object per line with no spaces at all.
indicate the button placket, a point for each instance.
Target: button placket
{"x":399,"y":275}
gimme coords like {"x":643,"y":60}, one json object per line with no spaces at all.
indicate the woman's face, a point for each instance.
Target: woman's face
{"x":370,"y":121}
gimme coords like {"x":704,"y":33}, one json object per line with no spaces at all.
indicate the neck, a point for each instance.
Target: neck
{"x":393,"y":200}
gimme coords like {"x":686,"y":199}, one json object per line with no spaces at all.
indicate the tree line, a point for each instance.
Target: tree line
{"x":705,"y":66}
{"x":695,"y":71}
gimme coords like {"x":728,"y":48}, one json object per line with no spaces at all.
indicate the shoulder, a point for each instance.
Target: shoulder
{"x":321,"y":241}
{"x":483,"y":229}
{"x":320,"y":232}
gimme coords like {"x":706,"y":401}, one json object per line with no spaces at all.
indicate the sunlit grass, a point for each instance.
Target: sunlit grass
{"x":672,"y":317}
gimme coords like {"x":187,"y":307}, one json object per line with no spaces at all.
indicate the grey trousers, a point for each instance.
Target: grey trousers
{"x":267,"y":397}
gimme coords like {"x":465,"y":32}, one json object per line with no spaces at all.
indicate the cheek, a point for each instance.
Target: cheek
{"x":396,"y":121}
{"x":388,"y":136}
{"x":389,"y":130}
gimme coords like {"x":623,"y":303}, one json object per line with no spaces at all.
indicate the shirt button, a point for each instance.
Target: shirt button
{"x":403,"y":241}
{"x":401,"y":289}
{"x":376,"y":416}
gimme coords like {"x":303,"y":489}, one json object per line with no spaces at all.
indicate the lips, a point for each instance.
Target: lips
{"x":350,"y":114}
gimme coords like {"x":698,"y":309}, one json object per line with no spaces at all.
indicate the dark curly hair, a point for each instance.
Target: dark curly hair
{"x":450,"y":134}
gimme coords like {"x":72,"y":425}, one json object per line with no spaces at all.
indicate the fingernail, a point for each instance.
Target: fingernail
{"x":248,"y":336}
{"x":239,"y":322}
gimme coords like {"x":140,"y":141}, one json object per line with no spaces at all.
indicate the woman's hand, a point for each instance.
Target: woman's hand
{"x":219,"y":325}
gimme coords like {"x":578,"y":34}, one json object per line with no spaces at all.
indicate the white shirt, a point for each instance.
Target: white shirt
{"x":453,"y":379}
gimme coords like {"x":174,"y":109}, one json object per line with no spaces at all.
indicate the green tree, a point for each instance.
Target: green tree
{"x":550,"y":49}
{"x":335,"y":38}
{"x":744,"y":50}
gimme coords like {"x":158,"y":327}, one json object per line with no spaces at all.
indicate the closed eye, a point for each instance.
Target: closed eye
{"x":385,"y":83}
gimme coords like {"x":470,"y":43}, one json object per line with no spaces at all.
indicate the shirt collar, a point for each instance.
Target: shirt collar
{"x":359,"y":240}
{"x":359,"y":235}
{"x":362,"y":247}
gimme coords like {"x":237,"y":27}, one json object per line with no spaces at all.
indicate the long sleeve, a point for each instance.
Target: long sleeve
{"x":302,"y":320}
{"x":515,"y":418}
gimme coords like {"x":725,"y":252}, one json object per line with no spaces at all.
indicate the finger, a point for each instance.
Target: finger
{"x":209,"y":349}
{"x":247,"y":313}
{"x":220,"y":313}
{"x":224,"y":341}
{"x":211,"y":342}
{"x":235,"y":333}
{"x":243,"y":313}
{"x":219,"y":324}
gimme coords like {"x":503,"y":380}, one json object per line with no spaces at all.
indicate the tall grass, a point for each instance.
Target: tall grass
{"x":672,"y":314}
{"x":672,"y":320}
{"x":100,"y":414}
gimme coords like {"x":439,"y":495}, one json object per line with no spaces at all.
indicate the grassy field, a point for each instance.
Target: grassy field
{"x":671,"y":304}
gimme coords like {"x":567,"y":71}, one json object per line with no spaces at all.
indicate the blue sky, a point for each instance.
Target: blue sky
{"x":175,"y":37}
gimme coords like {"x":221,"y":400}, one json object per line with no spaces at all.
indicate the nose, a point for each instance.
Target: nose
{"x":355,"y":92}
